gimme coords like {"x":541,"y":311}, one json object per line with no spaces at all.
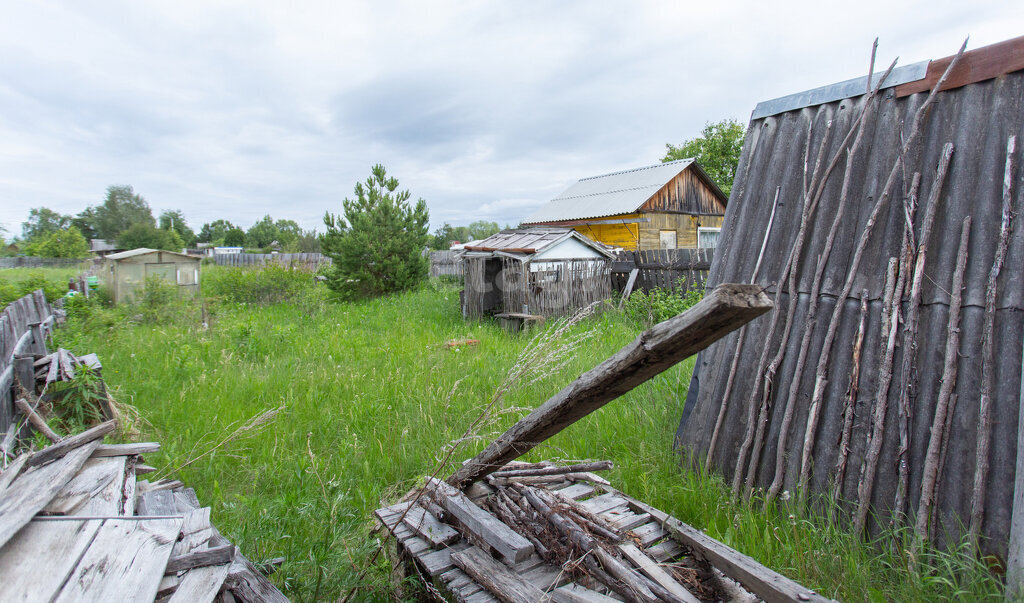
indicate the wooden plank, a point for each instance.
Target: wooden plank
{"x":219,"y":555}
{"x":665,"y":550}
{"x":124,"y":562}
{"x":977,"y":65}
{"x":58,"y":545}
{"x":653,"y":571}
{"x":128,"y":490}
{"x":546,"y":577}
{"x":12,"y":471}
{"x":480,"y":523}
{"x":758,"y":579}
{"x":427,"y":526}
{"x":627,"y":521}
{"x":126,"y":449}
{"x":95,"y":490}
{"x":574,"y":593}
{"x":200,"y":584}
{"x":576,"y":491}
{"x":33,"y":489}
{"x":196,"y":532}
{"x":600,"y":504}
{"x":248,"y":584}
{"x":496,"y":577}
{"x":156,"y":502}
{"x":71,"y":443}
{"x":726,"y":308}
{"x":438,"y":562}
{"x":650,"y":533}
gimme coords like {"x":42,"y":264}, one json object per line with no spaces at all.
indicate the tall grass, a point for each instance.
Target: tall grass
{"x":371,"y":397}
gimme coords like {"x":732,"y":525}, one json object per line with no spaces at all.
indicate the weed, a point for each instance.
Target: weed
{"x":657,"y":305}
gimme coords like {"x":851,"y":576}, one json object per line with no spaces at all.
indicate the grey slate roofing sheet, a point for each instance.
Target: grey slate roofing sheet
{"x":522,"y":238}
{"x":143,"y":251}
{"x":609,"y":194}
{"x":977,"y":118}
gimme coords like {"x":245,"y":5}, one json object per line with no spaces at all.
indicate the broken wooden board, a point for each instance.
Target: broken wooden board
{"x":34,"y":488}
{"x":94,"y":491}
{"x":57,"y":544}
{"x":723,"y":310}
{"x":427,"y":526}
{"x":482,"y":524}
{"x":125,"y":561}
{"x":496,"y":577}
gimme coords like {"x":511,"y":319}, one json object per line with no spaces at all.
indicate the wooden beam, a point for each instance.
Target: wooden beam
{"x":481,"y":524}
{"x":985,"y":63}
{"x":496,"y":577}
{"x":70,"y":443}
{"x":723,"y":310}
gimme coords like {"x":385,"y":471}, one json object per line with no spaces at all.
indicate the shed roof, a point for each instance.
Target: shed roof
{"x":143,"y":251}
{"x":533,"y":240}
{"x":613,"y":194}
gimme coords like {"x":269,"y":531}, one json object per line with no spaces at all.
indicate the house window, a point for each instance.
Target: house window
{"x":707,"y":238}
{"x":668,"y":239}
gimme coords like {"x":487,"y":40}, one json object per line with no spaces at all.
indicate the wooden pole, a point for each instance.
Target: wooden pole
{"x":949,"y":372}
{"x":851,"y":401}
{"x":725,"y":309}
{"x":981,"y":460}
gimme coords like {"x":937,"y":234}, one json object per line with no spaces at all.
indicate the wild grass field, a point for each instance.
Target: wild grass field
{"x":370,"y":397}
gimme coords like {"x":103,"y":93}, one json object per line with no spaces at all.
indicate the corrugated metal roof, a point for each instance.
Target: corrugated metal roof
{"x":977,"y":118}
{"x":143,"y":251}
{"x":532,"y":240}
{"x":609,"y":194}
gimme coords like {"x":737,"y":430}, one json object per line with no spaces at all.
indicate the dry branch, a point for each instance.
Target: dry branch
{"x":981,"y":460}
{"x":937,"y":441}
{"x":851,"y":400}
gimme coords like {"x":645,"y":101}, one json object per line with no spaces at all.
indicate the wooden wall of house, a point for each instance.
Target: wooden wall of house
{"x":684,"y":225}
{"x":687,"y":193}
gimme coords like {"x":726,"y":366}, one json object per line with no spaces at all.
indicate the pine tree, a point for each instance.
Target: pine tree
{"x":377,"y":248}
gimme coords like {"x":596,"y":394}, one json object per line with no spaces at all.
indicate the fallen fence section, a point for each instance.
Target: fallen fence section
{"x":24,"y":326}
{"x":562,"y":534}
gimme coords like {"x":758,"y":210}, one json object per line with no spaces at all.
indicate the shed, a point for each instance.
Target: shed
{"x":125,"y":272}
{"x":673,"y":205}
{"x":542,"y":271}
{"x":831,"y":395}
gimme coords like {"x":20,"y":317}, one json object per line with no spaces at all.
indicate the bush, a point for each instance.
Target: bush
{"x":37,"y":280}
{"x":649,"y":308}
{"x":269,"y":284}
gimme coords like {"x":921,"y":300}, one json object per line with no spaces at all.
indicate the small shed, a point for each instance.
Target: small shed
{"x":540,"y":271}
{"x":673,"y":205}
{"x":125,"y":272}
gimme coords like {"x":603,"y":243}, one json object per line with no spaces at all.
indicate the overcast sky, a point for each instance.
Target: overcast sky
{"x":484,"y":109}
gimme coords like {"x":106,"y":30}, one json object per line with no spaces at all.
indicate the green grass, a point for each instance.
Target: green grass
{"x":17,"y":282}
{"x":372,"y":396}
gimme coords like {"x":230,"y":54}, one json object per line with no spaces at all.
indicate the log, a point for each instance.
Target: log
{"x":559,"y":470}
{"x":496,"y":577}
{"x":725,"y":309}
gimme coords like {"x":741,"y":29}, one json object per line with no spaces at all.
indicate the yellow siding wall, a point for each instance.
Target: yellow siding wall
{"x":649,"y":233}
{"x":684,"y":225}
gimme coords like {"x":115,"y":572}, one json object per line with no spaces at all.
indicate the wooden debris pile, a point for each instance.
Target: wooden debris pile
{"x":75,"y":510}
{"x":536,"y":532}
{"x":498,"y":529}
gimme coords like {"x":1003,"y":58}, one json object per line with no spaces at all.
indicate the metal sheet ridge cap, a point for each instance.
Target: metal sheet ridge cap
{"x":838,"y":91}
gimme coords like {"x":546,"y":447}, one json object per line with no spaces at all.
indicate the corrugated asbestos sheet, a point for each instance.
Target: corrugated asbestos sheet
{"x":610,"y":194}
{"x":535,"y":239}
{"x":977,"y":119}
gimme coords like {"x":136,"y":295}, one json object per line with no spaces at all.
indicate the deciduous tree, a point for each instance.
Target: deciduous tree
{"x":717,"y":150}
{"x":42,"y":221}
{"x":64,"y":243}
{"x":147,"y":235}
{"x":121,"y":210}
{"x":174,"y":220}
{"x":377,"y":247}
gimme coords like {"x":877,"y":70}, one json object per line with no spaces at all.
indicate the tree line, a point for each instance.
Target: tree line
{"x":125,"y":219}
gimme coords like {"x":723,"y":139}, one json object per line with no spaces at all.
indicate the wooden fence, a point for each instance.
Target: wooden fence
{"x":33,"y":262}
{"x":662,"y":268}
{"x":24,"y":327}
{"x":445,"y":263}
{"x":307,"y":260}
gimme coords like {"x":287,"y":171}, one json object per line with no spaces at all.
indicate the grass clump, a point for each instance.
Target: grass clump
{"x":268,"y":284}
{"x":648,"y":308}
{"x":19,"y":282}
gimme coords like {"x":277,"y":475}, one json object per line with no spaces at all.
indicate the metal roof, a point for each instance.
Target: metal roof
{"x":143,"y":251}
{"x":609,"y":194}
{"x":532,"y":240}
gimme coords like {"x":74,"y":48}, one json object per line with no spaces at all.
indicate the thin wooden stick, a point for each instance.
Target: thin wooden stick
{"x":822,"y":373}
{"x":36,"y":421}
{"x":812,"y":311}
{"x":909,"y":390}
{"x":936,"y":441}
{"x":740,"y":339}
{"x":851,"y":401}
{"x":981,"y":460}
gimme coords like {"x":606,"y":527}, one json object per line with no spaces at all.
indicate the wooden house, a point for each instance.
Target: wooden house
{"x":125,"y":273}
{"x":538,"y":271}
{"x":672,"y":205}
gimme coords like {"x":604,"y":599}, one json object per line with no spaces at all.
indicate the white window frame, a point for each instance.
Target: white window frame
{"x":702,"y":229}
